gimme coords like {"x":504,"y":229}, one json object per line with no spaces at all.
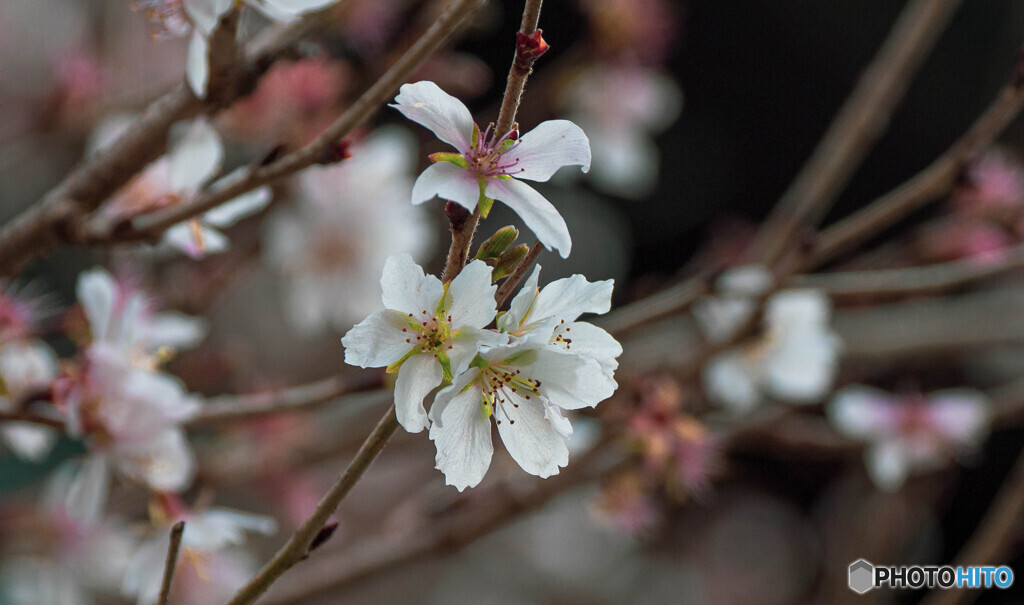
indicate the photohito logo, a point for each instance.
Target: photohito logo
{"x":864,"y":576}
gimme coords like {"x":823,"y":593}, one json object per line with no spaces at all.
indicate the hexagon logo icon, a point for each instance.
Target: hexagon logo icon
{"x":861,"y":576}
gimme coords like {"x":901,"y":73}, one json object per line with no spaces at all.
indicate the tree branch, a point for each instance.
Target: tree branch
{"x":518,"y":274}
{"x":861,"y":121}
{"x":177,"y":532}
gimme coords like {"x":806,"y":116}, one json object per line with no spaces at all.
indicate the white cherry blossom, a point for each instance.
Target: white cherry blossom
{"x":124,"y":317}
{"x":130,"y":417}
{"x":524,"y":388}
{"x":734,"y":302}
{"x":488,"y":165}
{"x":194,"y":157}
{"x":428,"y":331}
{"x":331,"y":243}
{"x":794,"y":360}
{"x":26,"y":368}
{"x":211,"y":565}
{"x":912,"y":434}
{"x":548,"y":316}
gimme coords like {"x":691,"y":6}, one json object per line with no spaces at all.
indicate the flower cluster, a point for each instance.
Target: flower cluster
{"x":539,"y":362}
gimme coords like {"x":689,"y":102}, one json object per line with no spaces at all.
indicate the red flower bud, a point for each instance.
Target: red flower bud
{"x":530,"y":47}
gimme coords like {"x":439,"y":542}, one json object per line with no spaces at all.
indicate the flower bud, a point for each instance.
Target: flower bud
{"x":496,"y":245}
{"x":508,"y":261}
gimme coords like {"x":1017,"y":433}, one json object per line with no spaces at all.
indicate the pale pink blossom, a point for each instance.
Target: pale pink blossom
{"x":912,"y":434}
{"x":488,"y":165}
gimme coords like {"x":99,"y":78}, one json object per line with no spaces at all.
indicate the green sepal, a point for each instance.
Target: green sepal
{"x":496,"y":245}
{"x":478,"y":362}
{"x":508,"y":261}
{"x":447,"y":156}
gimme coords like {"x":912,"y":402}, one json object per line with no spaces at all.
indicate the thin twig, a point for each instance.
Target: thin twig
{"x":518,"y":274}
{"x":173,"y":548}
{"x":304,"y":397}
{"x":31,"y":418}
{"x":910,"y":281}
{"x":153,"y":224}
{"x":926,"y":186}
{"x":861,"y":121}
{"x":992,"y":540}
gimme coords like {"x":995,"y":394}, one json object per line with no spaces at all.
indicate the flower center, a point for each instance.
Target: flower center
{"x":431,"y":332}
{"x":487,"y":155}
{"x":498,"y":384}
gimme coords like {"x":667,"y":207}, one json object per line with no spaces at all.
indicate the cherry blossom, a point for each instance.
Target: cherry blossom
{"x":524,"y":388}
{"x":548,"y":316}
{"x":331,"y":244}
{"x":488,"y":164}
{"x":428,"y":332}
{"x":734,"y":303}
{"x":795,"y":360}
{"x":910,"y":434}
{"x":57,"y":562}
{"x":211,"y":565}
{"x":194,"y":157}
{"x":124,"y":317}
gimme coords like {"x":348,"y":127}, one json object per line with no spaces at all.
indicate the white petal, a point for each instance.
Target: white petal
{"x":530,"y":438}
{"x":377,"y":341}
{"x":472,"y":297}
{"x":802,"y":367}
{"x":26,"y":367}
{"x":862,"y":412}
{"x":887,"y":464}
{"x":426,"y":104}
{"x":594,"y":343}
{"x":247,"y":204}
{"x":467,"y":342}
{"x":568,"y":298}
{"x":28,"y":441}
{"x":161,"y":392}
{"x":290,"y":8}
{"x":206,"y":14}
{"x":963,"y":415}
{"x":745,"y":280}
{"x":730,"y":382}
{"x":79,"y":489}
{"x":164,"y":462}
{"x":462,"y":434}
{"x":797,"y":308}
{"x":448,"y":182}
{"x":97,"y":292}
{"x":195,"y":157}
{"x":172,"y":329}
{"x":520,"y":306}
{"x":570,"y":381}
{"x":419,"y":375}
{"x":197,"y":64}
{"x":719,"y":317}
{"x":539,"y":215}
{"x":405,"y":287}
{"x":548,"y":147}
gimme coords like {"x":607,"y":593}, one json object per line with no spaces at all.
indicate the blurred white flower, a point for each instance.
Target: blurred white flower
{"x":331,"y":244}
{"x":524,"y":388}
{"x":194,"y":157}
{"x":123,"y":317}
{"x":548,"y":316}
{"x":734,"y":302}
{"x":26,"y":368}
{"x":131,"y":417}
{"x":76,"y":552}
{"x":621,"y":108}
{"x":211,"y":566}
{"x":428,"y":331}
{"x":488,"y":167}
{"x":794,"y":360}
{"x":910,"y":434}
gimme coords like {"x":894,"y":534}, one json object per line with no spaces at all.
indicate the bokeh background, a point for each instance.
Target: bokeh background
{"x":729,"y":98}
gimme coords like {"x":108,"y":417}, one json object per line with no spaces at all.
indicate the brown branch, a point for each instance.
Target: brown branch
{"x":928,"y":185}
{"x":59,"y":217}
{"x":911,"y":281}
{"x":320,"y":150}
{"x":858,"y":125}
{"x":993,"y":539}
{"x":173,"y":548}
{"x":299,"y":398}
{"x":31,"y":418}
{"x":518,"y":274}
